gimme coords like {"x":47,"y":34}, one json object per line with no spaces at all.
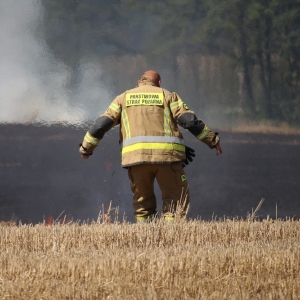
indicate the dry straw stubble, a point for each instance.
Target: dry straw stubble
{"x":229,"y":259}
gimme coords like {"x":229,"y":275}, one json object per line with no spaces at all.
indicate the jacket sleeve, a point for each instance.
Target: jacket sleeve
{"x":187,"y":119}
{"x":110,"y":118}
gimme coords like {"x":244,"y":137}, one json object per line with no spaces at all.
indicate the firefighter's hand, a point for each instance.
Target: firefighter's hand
{"x":189,"y":153}
{"x":218,"y":149}
{"x":84,"y":156}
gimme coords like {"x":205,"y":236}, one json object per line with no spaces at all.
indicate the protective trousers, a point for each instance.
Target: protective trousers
{"x":173,"y":185}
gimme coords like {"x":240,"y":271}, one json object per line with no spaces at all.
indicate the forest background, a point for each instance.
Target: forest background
{"x":229,"y":60}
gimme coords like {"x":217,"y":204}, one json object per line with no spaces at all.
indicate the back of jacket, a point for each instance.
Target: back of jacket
{"x":148,"y":124}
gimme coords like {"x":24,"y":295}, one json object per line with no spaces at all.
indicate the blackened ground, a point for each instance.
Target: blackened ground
{"x":42,"y":175}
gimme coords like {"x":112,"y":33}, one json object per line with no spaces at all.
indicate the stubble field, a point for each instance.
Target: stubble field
{"x":225,"y":259}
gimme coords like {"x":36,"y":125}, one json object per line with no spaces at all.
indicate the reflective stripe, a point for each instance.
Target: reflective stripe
{"x":152,"y":139}
{"x":91,"y":140}
{"x":115,"y":107}
{"x":169,"y":218}
{"x":176,"y":104}
{"x":204,"y":133}
{"x":167,"y":121}
{"x":153,"y":146}
{"x":126,"y":123}
{"x":144,"y":219}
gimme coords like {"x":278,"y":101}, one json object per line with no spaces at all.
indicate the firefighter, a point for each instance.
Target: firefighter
{"x":152,"y":147}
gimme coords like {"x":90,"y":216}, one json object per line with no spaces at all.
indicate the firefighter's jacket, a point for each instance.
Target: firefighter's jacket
{"x":148,"y":116}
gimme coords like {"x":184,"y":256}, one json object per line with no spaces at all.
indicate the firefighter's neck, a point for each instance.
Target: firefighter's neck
{"x":147,"y":81}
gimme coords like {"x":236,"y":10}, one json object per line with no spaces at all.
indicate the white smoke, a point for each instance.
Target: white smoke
{"x":32,"y":81}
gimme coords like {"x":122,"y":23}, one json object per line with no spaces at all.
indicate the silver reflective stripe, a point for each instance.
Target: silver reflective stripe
{"x":167,"y":122}
{"x":115,"y":107}
{"x":126,"y":123}
{"x":203,"y":134}
{"x":152,"y":139}
{"x":176,"y":104}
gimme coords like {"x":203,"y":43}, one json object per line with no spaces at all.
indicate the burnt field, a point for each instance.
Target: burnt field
{"x":43,"y":175}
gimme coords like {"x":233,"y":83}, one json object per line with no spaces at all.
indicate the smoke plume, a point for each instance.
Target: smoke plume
{"x":33,"y":83}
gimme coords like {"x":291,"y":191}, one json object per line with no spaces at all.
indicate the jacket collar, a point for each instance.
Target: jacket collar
{"x":146,"y":81}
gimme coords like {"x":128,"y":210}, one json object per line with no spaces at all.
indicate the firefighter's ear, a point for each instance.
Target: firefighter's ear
{"x":158,"y":84}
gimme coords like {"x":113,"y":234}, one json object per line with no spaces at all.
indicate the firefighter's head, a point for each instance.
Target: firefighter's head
{"x":153,"y":76}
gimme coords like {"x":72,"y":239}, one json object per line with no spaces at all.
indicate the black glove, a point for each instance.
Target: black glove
{"x":189,"y":153}
{"x":84,"y":149}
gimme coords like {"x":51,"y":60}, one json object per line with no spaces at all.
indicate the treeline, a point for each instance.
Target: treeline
{"x":240,"y":58}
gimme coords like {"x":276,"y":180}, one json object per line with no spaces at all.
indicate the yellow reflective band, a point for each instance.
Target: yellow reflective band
{"x":204,"y":133}
{"x":115,"y":107}
{"x":144,"y":99}
{"x":176,"y":104}
{"x":143,"y":218}
{"x":153,"y":146}
{"x":126,"y":124}
{"x":169,"y":218}
{"x":91,"y":140}
{"x":167,"y":122}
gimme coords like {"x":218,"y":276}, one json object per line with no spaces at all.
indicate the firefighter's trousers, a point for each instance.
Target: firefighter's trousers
{"x":173,"y":185}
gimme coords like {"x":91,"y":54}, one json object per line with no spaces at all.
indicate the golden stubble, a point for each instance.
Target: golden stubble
{"x":226,"y":259}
